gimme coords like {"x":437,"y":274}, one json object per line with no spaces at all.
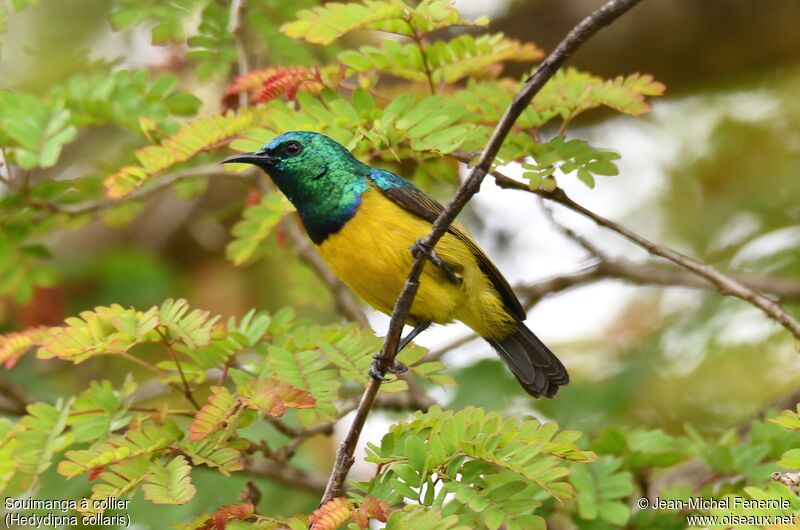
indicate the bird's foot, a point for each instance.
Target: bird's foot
{"x":420,"y":247}
{"x":376,"y":373}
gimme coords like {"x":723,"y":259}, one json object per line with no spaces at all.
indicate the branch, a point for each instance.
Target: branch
{"x":609,"y":12}
{"x":569,"y":233}
{"x":724,"y":283}
{"x":168,"y":180}
{"x":286,"y":474}
{"x":651,"y":274}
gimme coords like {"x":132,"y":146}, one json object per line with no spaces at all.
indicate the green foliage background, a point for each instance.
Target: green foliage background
{"x":114,"y":212}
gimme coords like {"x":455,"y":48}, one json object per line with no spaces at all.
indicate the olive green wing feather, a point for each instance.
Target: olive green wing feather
{"x":414,"y":200}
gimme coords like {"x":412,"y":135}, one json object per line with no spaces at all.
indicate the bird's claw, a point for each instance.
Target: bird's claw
{"x":376,"y":373}
{"x":420,"y":247}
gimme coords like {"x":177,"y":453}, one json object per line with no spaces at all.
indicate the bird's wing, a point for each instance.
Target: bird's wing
{"x":417,"y":202}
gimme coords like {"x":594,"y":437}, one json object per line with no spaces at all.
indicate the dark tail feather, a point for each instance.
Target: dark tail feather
{"x":536,"y":368}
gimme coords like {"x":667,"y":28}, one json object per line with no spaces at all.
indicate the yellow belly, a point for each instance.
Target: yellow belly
{"x":371,"y":255}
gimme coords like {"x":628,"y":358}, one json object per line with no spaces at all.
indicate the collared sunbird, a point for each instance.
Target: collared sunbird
{"x":364,"y":220}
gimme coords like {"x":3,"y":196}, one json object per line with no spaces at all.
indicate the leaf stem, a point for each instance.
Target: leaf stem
{"x":186,"y":390}
{"x":416,"y":36}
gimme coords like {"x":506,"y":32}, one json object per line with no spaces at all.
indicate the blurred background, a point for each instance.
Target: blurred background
{"x":713,"y":171}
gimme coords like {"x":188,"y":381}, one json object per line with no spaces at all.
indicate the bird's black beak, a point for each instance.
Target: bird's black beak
{"x":258,"y":159}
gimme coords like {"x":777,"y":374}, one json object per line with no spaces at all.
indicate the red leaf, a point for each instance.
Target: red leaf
{"x":376,"y":508}
{"x":251,"y":83}
{"x":219,"y":519}
{"x":15,"y":344}
{"x":213,"y":415}
{"x":273,"y":396}
{"x":371,"y":508}
{"x":331,"y":515}
{"x":288,"y":81}
{"x":253,"y":196}
{"x":95,"y":472}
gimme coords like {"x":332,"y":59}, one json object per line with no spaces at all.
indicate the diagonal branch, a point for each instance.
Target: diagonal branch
{"x":724,"y":283}
{"x":644,"y":274}
{"x":606,"y":14}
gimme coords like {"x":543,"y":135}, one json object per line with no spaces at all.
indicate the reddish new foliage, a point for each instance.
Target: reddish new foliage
{"x":95,"y":472}
{"x":288,"y":81}
{"x":331,"y":515}
{"x":266,"y":84}
{"x":219,"y":520}
{"x":371,"y":508}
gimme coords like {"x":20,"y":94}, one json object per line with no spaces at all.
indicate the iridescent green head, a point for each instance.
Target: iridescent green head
{"x":321,"y":177}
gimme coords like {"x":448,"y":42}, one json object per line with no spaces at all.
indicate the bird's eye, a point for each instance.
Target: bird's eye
{"x":292,"y":148}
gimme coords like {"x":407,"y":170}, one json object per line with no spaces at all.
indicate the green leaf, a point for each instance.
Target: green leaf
{"x":40,"y":436}
{"x":166,"y":18}
{"x":323,"y":25}
{"x":37,"y":130}
{"x":213,"y":49}
{"x":496,"y":470}
{"x":125,"y":98}
{"x":121,"y":478}
{"x":788,"y":419}
{"x":101,"y":410}
{"x":193,"y":328}
{"x":447,"y":61}
{"x":568,"y":156}
{"x":106,"y":330}
{"x":256,"y":225}
{"x":146,"y":440}
{"x":214,"y":415}
{"x":214,"y":453}
{"x":602,"y":490}
{"x":194,"y":137}
{"x":790,"y":459}
{"x":171,"y":483}
{"x":293,"y":358}
{"x":422,"y":517}
{"x":570,"y":92}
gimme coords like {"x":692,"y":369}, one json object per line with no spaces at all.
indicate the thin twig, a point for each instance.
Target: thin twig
{"x":417,"y":38}
{"x":143,"y":364}
{"x":186,"y":390}
{"x":438,"y":353}
{"x":724,"y":283}
{"x":167,"y":181}
{"x":587,"y":27}
{"x":286,"y":474}
{"x":287,"y":451}
{"x":584,"y":243}
{"x":152,"y":410}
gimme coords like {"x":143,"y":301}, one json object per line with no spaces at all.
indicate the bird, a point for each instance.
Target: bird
{"x":367,"y":224}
